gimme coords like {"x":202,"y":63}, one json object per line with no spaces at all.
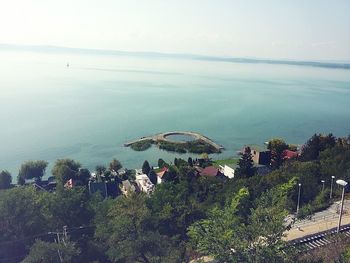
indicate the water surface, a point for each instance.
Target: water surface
{"x":88,"y":110}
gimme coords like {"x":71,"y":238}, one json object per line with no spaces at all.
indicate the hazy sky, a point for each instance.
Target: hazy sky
{"x":297,"y":29}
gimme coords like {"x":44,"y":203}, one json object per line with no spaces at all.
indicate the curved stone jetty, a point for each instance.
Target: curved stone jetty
{"x":163,"y":137}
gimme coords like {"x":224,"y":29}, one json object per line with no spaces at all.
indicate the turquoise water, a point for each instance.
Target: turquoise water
{"x":180,"y":138}
{"x":87,"y":111}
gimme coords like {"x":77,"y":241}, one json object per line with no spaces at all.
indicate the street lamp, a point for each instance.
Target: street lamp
{"x":342,"y":183}
{"x":323,"y":181}
{"x":330,"y":194}
{"x":298,"y":198}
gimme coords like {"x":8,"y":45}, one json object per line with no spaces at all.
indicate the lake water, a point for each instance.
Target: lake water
{"x":180,"y":138}
{"x":88,"y":110}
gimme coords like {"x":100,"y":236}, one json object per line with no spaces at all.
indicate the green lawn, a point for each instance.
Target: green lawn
{"x":230,"y":161}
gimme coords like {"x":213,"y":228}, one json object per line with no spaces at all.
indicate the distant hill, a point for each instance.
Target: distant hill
{"x":57,"y":49}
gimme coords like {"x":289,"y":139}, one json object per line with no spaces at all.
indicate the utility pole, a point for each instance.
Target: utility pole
{"x":298,"y":199}
{"x":344,"y":184}
{"x":330,"y":194}
{"x":58,"y":251}
{"x":65,"y":235}
{"x":58,"y":241}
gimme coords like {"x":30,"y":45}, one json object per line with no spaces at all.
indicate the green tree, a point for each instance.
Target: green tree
{"x":5,"y":180}
{"x":153,"y":176}
{"x":277,"y":147}
{"x":190,"y":161}
{"x":174,"y":209}
{"x":315,"y":145}
{"x":161,"y":163}
{"x":225,"y":236}
{"x":115,"y":165}
{"x":146,"y":168}
{"x":67,"y":207}
{"x":171,"y":175}
{"x":83,"y":175}
{"x":43,"y":252}
{"x":20,"y":219}
{"x":32,"y":170}
{"x":245,"y":165}
{"x":100,"y":170}
{"x":130,"y":236}
{"x":65,"y":169}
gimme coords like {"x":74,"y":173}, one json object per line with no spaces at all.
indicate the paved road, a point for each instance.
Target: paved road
{"x":321,"y":221}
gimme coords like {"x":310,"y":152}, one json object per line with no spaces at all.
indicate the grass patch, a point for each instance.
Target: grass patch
{"x":229,"y":161}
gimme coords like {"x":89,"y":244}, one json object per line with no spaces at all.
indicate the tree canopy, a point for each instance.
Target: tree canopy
{"x":5,"y":180}
{"x":225,"y":236}
{"x":233,"y":220}
{"x":32,"y":170}
{"x":130,"y":235}
{"x":65,"y":169}
{"x":146,"y":167}
{"x":115,"y":165}
{"x":245,"y":164}
{"x":277,"y":147}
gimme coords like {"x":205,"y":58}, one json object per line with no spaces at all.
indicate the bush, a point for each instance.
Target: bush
{"x":141,"y":145}
{"x":321,"y":202}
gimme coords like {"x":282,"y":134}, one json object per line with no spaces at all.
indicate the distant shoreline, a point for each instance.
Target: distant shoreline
{"x":158,"y":55}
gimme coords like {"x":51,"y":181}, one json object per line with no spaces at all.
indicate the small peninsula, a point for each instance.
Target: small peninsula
{"x":191,"y":142}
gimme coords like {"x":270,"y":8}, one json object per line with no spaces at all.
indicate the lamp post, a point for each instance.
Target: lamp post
{"x":298,"y":198}
{"x":342,"y":183}
{"x":330,"y":194}
{"x":323,"y":181}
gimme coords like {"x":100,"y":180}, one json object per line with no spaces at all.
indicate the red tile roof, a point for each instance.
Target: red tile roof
{"x":288,"y":154}
{"x":209,"y":171}
{"x":163,"y":171}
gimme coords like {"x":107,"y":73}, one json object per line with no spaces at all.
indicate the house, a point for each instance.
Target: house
{"x":48,"y":185}
{"x":127,"y":187}
{"x":260,"y":156}
{"x":288,"y":154}
{"x":100,"y":187}
{"x":209,"y":171}
{"x":121,"y":171}
{"x":144,"y":183}
{"x":70,"y":184}
{"x":227,"y":171}
{"x":161,"y":174}
{"x":104,"y":188}
{"x":138,"y":171}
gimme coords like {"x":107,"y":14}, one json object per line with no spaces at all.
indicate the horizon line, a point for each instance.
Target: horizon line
{"x":154,"y":54}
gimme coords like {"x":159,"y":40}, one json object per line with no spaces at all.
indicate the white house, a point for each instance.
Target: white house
{"x":227,"y":171}
{"x":144,"y":183}
{"x":127,"y":187}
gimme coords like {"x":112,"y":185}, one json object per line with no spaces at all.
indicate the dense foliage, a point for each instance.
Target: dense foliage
{"x":5,"y":180}
{"x":141,"y":145}
{"x":196,"y":146}
{"x":187,"y":216}
{"x":32,"y":170}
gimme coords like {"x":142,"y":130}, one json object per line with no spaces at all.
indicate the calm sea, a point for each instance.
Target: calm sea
{"x":88,"y":110}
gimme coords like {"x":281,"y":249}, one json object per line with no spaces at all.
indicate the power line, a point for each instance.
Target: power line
{"x":64,"y":238}
{"x":68,"y":230}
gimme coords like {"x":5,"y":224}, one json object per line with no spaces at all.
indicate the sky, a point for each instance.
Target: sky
{"x":288,"y":29}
